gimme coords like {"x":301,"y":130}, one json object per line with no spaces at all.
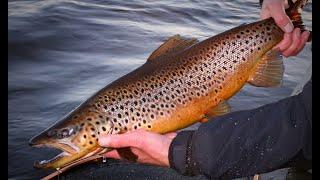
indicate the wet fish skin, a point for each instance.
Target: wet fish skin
{"x":168,"y":94}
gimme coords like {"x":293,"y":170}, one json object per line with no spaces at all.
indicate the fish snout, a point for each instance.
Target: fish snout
{"x":31,"y":142}
{"x":35,"y":140}
{"x":41,"y":137}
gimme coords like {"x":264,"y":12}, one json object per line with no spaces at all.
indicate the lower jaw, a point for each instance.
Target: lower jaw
{"x":64,"y":159}
{"x":44,"y":164}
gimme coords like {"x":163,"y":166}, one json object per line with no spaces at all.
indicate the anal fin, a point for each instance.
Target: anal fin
{"x":219,"y":110}
{"x":269,"y":70}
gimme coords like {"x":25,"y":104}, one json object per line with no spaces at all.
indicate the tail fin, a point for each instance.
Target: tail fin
{"x":294,"y":13}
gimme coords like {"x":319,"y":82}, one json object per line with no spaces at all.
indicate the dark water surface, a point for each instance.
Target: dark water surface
{"x":63,"y":51}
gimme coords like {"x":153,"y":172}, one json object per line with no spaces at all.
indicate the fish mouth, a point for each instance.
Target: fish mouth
{"x":68,"y":150}
{"x":47,"y":163}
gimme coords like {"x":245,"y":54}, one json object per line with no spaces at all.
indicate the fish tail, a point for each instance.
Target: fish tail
{"x":294,"y":13}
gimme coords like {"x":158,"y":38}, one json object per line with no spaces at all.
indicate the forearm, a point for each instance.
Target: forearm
{"x":247,"y":142}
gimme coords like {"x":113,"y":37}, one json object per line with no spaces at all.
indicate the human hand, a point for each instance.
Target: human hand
{"x":293,"y":41}
{"x":151,"y":148}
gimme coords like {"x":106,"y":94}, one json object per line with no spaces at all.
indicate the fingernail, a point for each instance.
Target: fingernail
{"x":307,"y":33}
{"x":288,"y":28}
{"x":297,"y":33}
{"x":104,"y":141}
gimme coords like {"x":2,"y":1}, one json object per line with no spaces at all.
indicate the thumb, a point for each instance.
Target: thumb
{"x":119,"y":140}
{"x":279,"y":15}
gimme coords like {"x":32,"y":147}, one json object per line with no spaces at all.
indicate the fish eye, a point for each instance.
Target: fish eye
{"x":66,"y":132}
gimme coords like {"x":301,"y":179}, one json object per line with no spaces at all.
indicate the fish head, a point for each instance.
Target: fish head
{"x":75,"y":138}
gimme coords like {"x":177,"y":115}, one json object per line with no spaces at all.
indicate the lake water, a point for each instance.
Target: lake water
{"x":63,"y":51}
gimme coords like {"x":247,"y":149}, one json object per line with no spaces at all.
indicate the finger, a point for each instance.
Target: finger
{"x":115,"y":155}
{"x":295,"y":42}
{"x":112,"y":154}
{"x":277,"y":11}
{"x":171,"y":135}
{"x":144,"y":157}
{"x":285,"y":42}
{"x":130,"y":139}
{"x":264,"y":13}
{"x":303,"y":40}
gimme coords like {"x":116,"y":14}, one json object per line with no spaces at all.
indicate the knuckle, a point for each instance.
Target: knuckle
{"x":285,"y":54}
{"x":281,"y":20}
{"x":114,"y":141}
{"x":138,"y":142}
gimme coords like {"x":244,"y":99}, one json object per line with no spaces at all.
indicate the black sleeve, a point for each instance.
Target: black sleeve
{"x":260,"y":2}
{"x":245,"y":143}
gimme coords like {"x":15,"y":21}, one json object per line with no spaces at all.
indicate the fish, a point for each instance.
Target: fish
{"x":184,"y":81}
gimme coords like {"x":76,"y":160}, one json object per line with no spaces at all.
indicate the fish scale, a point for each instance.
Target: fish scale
{"x":182,"y":82}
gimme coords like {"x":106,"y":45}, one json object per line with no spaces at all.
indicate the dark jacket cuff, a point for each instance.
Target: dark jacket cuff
{"x":178,"y":151}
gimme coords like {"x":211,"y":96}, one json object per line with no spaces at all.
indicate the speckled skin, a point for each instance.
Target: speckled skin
{"x":169,"y":93}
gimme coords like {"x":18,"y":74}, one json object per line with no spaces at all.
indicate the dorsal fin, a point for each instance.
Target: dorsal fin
{"x":171,"y":46}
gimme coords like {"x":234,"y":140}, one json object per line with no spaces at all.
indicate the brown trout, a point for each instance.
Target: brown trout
{"x":182,"y":82}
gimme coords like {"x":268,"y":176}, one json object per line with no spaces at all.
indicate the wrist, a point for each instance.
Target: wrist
{"x":180,"y":154}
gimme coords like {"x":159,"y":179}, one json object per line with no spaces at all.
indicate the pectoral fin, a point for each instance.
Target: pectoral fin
{"x":219,"y":110}
{"x":269,"y":71}
{"x":171,"y":46}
